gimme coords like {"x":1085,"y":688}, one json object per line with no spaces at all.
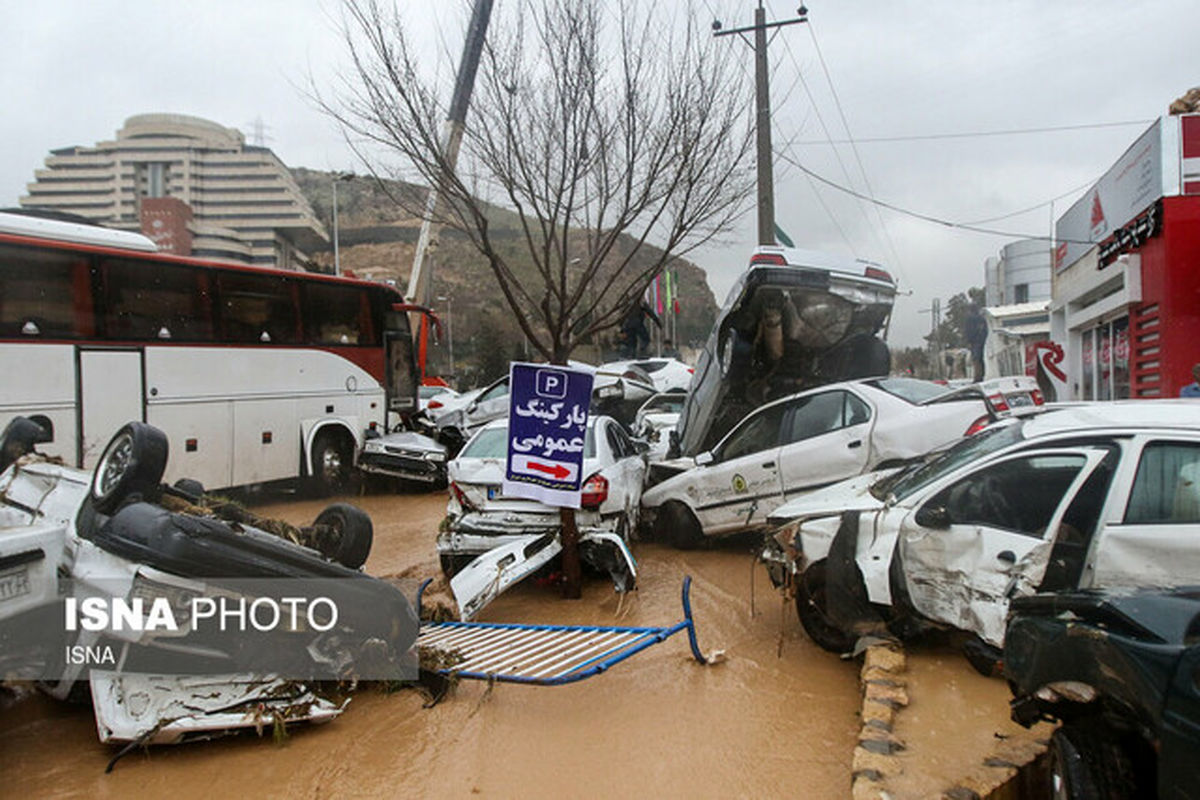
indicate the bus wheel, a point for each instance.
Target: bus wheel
{"x":331,"y":462}
{"x":133,"y":462}
{"x":347,"y":536}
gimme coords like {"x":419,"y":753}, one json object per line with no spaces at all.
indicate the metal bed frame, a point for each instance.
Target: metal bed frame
{"x":545,"y":655}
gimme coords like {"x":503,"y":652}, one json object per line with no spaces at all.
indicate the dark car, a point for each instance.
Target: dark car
{"x":1121,"y":671}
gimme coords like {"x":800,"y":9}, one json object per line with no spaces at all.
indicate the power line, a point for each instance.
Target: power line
{"x":857,"y":157}
{"x":978,"y":134}
{"x":1042,"y":204}
{"x":925,"y":217}
{"x":829,"y":138}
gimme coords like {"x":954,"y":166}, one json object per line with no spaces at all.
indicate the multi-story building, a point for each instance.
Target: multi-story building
{"x":1017,"y":294}
{"x":1126,"y":301}
{"x":193,"y":186}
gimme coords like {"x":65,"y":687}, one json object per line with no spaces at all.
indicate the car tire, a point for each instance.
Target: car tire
{"x":1087,"y":763}
{"x":812,"y":608}
{"x":331,"y":463}
{"x":352,"y":534}
{"x":19,"y":437}
{"x":868,"y":357}
{"x":677,"y":526}
{"x":133,"y":462}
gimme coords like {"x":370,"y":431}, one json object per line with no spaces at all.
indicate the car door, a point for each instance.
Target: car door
{"x":491,"y":404}
{"x":1152,"y":538}
{"x":972,"y":544}
{"x":742,"y":482}
{"x":826,"y":439}
{"x":628,"y":471}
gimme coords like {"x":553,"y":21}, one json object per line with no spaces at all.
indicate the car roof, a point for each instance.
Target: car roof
{"x":1129,"y":414}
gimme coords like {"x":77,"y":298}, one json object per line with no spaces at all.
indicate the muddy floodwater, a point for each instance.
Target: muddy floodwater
{"x":778,"y":717}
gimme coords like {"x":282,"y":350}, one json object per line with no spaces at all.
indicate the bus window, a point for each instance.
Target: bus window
{"x":258,"y":308}
{"x":337,"y":315}
{"x":146,"y":301}
{"x":37,"y":296}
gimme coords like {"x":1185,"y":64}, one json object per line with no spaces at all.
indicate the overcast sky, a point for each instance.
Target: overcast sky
{"x":78,"y":68}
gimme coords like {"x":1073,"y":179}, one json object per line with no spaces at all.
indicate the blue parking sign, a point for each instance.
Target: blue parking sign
{"x":547,"y":428}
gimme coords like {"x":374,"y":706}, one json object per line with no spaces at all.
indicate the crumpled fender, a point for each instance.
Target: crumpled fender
{"x":848,"y":601}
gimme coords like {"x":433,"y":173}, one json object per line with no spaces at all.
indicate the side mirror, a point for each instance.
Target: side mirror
{"x":931,"y":516}
{"x":704,"y":459}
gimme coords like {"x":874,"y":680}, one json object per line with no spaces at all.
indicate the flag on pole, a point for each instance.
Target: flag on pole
{"x":675,"y":284}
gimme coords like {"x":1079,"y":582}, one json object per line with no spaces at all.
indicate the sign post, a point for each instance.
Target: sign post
{"x":547,"y":428}
{"x":547,"y":433}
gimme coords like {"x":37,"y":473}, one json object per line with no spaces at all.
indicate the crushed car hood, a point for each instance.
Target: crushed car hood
{"x":411,"y":440}
{"x":849,"y":495}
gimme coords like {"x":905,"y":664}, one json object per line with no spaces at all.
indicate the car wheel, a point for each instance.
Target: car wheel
{"x":331,"y":463}
{"x":813,"y":609}
{"x":348,"y":535}
{"x":677,"y":526}
{"x":132,"y":462}
{"x":1086,"y":763}
{"x":19,"y":437}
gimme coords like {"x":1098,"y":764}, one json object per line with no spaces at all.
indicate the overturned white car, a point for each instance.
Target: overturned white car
{"x":185,"y":619}
{"x":1098,"y":495}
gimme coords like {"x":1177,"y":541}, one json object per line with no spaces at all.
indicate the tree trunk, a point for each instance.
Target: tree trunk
{"x":572,"y":573}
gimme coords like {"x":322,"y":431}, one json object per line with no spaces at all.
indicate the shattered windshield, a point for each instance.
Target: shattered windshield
{"x":904,"y":483}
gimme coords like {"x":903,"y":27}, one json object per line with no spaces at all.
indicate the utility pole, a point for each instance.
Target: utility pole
{"x":421,"y":279}
{"x":762,"y":109}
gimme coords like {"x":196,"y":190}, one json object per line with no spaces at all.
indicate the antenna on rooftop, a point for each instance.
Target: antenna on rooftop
{"x":258,"y":132}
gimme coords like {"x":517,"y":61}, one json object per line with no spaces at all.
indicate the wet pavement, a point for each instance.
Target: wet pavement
{"x":779,"y":716}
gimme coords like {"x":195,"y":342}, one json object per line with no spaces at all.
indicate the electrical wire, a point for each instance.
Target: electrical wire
{"x":979,"y":134}
{"x":854,"y":147}
{"x":925,"y":217}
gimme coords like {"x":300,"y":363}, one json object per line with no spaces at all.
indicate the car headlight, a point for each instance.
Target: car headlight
{"x":438,"y":457}
{"x":373,"y":446}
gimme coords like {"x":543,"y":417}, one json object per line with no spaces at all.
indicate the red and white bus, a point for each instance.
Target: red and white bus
{"x":254,"y":374}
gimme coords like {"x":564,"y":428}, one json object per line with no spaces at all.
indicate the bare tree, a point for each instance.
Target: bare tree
{"x":599,"y":126}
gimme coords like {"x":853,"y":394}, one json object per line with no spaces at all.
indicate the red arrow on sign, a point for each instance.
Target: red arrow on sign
{"x":553,"y":470}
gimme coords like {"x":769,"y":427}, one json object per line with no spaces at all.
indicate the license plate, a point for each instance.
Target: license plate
{"x":14,"y":584}
{"x":1022,"y":400}
{"x":494,"y":492}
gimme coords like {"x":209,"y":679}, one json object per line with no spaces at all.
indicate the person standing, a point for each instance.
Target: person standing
{"x":634,"y":333}
{"x":977,"y":331}
{"x":1193,"y":388}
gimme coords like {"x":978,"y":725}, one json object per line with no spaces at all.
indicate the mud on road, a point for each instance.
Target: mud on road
{"x":778,"y":717}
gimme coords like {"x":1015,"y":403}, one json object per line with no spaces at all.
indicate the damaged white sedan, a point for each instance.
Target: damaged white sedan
{"x":1099,"y":495}
{"x":798,"y":444}
{"x":490,"y":542}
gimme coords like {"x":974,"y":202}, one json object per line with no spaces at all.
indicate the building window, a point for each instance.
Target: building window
{"x":152,"y":179}
{"x":1021,"y":293}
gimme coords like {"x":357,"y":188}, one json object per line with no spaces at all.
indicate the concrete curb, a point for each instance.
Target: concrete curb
{"x":885,"y":692}
{"x":1016,"y":768}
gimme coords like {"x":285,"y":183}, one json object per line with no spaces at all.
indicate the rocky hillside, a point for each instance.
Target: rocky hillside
{"x":377,"y":240}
